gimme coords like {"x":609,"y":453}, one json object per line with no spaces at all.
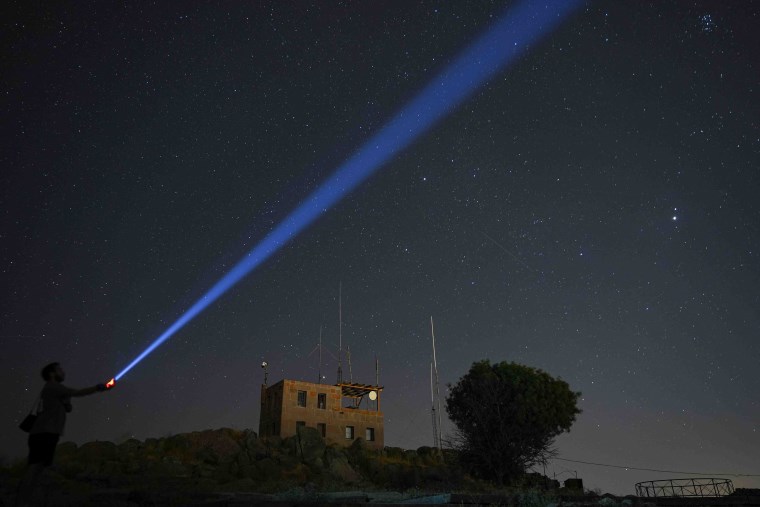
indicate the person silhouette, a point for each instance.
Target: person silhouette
{"x":54,"y":403}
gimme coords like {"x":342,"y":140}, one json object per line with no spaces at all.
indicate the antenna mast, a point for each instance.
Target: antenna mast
{"x":319,"y":368}
{"x":436,"y":443}
{"x":348,"y":358}
{"x":437,"y":402}
{"x":340,"y":332}
{"x":377,"y":379}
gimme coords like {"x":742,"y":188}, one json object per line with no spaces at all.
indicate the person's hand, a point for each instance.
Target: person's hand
{"x":105,"y":387}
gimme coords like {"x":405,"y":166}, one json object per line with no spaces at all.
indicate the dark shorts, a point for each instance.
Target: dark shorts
{"x":42,"y":448}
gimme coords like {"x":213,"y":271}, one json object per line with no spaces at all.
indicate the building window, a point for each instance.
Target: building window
{"x":350,"y":432}
{"x":322,"y":400}
{"x":322,"y":428}
{"x":369,"y":435}
{"x":301,"y":398}
{"x":299,"y":425}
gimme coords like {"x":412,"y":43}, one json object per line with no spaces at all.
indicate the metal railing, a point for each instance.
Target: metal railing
{"x":698,"y":487}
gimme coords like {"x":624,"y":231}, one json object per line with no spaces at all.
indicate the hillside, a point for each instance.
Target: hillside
{"x":191,"y":464}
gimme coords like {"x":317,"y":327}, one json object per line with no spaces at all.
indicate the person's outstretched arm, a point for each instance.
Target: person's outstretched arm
{"x":88,"y":390}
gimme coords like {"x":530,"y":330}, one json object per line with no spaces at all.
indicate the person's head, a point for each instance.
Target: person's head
{"x":53,"y":371}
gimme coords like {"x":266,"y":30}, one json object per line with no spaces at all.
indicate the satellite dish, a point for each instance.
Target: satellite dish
{"x":373,"y":395}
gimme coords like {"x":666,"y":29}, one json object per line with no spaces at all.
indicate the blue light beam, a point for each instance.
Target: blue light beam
{"x":502,"y":44}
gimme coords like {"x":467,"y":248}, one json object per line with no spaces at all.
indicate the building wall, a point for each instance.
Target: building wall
{"x":280,"y":413}
{"x":270,"y":420}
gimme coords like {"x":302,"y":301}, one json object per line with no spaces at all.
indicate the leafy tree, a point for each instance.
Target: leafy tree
{"x":507,"y":417}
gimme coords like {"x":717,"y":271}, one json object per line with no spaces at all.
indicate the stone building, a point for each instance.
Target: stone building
{"x":342,"y":412}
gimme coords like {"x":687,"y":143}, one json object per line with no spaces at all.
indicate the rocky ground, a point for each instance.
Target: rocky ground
{"x":235,"y":467}
{"x":202,"y":463}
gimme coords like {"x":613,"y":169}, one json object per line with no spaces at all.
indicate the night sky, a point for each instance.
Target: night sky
{"x":592,"y":211}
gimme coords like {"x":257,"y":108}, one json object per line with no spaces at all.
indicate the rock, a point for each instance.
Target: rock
{"x":207,"y":455}
{"x":298,"y":474}
{"x":289,"y":446}
{"x":168,"y":467}
{"x":331,"y":452}
{"x":224,"y":442}
{"x":311,"y":445}
{"x":394,"y":452}
{"x":97,"y":451}
{"x":287,"y":460}
{"x":249,"y":439}
{"x":266,"y":469}
{"x":130,"y":447}
{"x":252,"y":447}
{"x":65,"y":449}
{"x":357,"y":455}
{"x":340,"y":468}
{"x":358,"y":446}
{"x":175,"y":443}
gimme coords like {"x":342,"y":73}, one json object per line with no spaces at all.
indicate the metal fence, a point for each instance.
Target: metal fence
{"x":699,"y":487}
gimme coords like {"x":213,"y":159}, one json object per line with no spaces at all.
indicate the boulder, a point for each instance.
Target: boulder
{"x":331,"y":452}
{"x":395,"y":453}
{"x":176,"y":444}
{"x":298,"y":474}
{"x":207,"y":455}
{"x":65,"y":449}
{"x":266,"y":469}
{"x":130,"y":447}
{"x":358,"y":446}
{"x":224,"y":442}
{"x":168,"y":467}
{"x":97,"y":451}
{"x":252,"y":447}
{"x":340,"y":468}
{"x":311,"y":445}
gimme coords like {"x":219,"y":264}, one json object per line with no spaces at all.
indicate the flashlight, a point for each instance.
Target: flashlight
{"x":110,"y":383}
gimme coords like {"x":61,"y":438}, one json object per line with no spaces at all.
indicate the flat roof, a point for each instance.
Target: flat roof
{"x":348,"y":389}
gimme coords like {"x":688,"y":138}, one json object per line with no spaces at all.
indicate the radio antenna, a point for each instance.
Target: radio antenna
{"x":340,"y":332}
{"x":319,"y":368}
{"x":348,"y":358}
{"x":437,"y":402}
{"x":432,"y":409}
